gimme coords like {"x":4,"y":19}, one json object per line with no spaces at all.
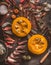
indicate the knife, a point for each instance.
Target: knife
{"x":46,"y":55}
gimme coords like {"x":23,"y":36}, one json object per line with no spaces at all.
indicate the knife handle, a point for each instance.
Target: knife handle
{"x":44,"y":58}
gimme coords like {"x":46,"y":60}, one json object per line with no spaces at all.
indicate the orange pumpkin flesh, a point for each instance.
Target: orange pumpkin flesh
{"x":21,"y":26}
{"x":37,"y":44}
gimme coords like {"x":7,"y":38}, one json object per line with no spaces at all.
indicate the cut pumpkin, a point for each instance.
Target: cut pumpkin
{"x":37,"y":44}
{"x":21,"y":26}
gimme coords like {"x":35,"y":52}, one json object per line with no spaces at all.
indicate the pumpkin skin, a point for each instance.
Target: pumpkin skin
{"x":21,"y":26}
{"x":37,"y":44}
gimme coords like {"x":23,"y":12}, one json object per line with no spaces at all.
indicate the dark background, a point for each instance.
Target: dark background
{"x":35,"y":59}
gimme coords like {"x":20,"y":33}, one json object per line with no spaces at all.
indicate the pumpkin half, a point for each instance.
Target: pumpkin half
{"x":21,"y":26}
{"x":37,"y":44}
